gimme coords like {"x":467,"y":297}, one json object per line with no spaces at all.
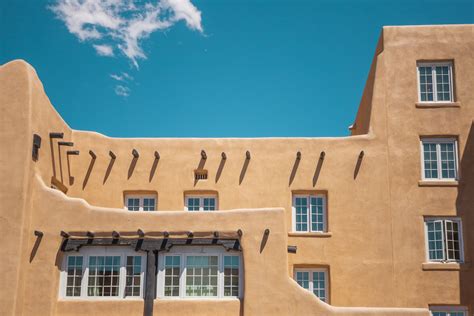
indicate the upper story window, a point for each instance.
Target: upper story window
{"x":140,"y":202}
{"x":444,"y":239}
{"x":448,"y":310}
{"x":313,"y":280}
{"x":101,"y":272}
{"x":201,"y":203}
{"x":439,"y":160}
{"x":309,"y":213}
{"x":435,"y":82}
{"x":199,"y":272}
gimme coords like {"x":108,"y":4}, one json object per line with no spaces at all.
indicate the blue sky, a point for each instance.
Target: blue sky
{"x":208,"y":68}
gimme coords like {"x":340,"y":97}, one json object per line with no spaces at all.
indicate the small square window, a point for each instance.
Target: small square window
{"x":448,"y":311}
{"x":444,"y":239}
{"x":140,"y":202}
{"x":309,"y":213}
{"x":314,"y":280}
{"x":201,"y":203}
{"x":439,"y":158}
{"x":435,"y":82}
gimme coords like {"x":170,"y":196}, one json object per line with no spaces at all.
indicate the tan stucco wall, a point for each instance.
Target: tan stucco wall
{"x":375,"y":247}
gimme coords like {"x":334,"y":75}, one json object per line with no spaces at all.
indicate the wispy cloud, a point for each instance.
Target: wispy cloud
{"x":124,"y":24}
{"x":122,"y":91}
{"x":121,"y":77}
{"x":104,"y":50}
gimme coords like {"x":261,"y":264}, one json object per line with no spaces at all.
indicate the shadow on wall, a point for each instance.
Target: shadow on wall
{"x":465,"y":209}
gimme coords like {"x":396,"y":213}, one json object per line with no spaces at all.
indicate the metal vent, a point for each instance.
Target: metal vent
{"x":200,"y":174}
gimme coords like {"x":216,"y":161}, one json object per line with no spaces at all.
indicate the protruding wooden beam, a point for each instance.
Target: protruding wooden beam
{"x":64,"y":234}
{"x":216,"y":234}
{"x":203,"y":154}
{"x":267,"y":231}
{"x":240,"y":232}
{"x":224,"y":156}
{"x":73,"y":152}
{"x":247,"y":155}
{"x":190,"y":234}
{"x":135,"y":153}
{"x":157,"y":155}
{"x":93,"y":155}
{"x":69,"y":144}
{"x":56,"y":135}
{"x":322,"y":155}
{"x":298,"y":155}
{"x":38,"y":233}
{"x":292,"y":249}
{"x":90,"y":234}
{"x":361,"y":155}
{"x":166,"y":234}
{"x":140,"y":233}
{"x":115,"y":234}
{"x":112,"y":155}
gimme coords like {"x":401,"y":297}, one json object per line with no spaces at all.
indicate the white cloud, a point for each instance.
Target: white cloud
{"x":124,"y":23}
{"x":122,"y":91}
{"x":104,"y":50}
{"x":121,"y":77}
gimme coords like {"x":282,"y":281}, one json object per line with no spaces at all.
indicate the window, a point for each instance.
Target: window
{"x":140,"y":202}
{"x":314,"y":280}
{"x":448,"y":311}
{"x":103,"y":273}
{"x":201,"y":203}
{"x":203,"y":272}
{"x":439,"y":160}
{"x":309,"y":213}
{"x":444,"y":238}
{"x":435,"y":82}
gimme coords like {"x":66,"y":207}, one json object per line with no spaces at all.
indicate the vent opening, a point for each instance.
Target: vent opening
{"x":200,"y":174}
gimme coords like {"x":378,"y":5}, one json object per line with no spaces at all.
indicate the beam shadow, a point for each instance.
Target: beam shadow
{"x":153,"y":169}
{"x":317,"y":171}
{"x":244,"y":170}
{"x":35,"y":247}
{"x":133,"y":163}
{"x":109,"y":169}
{"x":293,"y":171}
{"x":88,"y":173}
{"x":219,"y":170}
{"x":71,"y":178}
{"x":358,"y":164}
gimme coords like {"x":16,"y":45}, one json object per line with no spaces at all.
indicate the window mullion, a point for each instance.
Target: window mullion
{"x":438,"y":160}
{"x":445,"y":240}
{"x":308,"y":213}
{"x":433,"y":82}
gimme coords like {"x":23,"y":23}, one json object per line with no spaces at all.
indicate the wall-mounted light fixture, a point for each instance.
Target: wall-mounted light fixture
{"x":36,"y":146}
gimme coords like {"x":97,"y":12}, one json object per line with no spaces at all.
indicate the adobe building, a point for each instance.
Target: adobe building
{"x":377,"y":223}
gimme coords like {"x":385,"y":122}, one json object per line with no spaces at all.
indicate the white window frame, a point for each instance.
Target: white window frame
{"x":448,"y":309}
{"x":311,"y":284}
{"x":461,"y":241}
{"x":183,"y":252}
{"x":86,"y":252}
{"x":309,"y":223}
{"x":201,"y":198}
{"x":141,"y":197}
{"x":438,"y":141}
{"x":433,"y":65}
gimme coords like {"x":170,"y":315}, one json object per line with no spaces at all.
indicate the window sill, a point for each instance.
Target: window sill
{"x":445,"y":266}
{"x":446,"y":183}
{"x":431,"y":105}
{"x":310,"y":234}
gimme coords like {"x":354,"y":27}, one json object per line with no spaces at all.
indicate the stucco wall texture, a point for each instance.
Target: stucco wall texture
{"x":374,"y":248}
